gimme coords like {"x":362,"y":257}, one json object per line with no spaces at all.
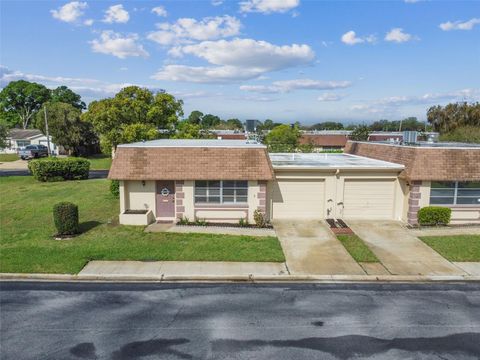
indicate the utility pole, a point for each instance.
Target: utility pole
{"x":46,"y":130}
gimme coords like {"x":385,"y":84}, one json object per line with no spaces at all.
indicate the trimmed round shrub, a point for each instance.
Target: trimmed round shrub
{"x":59,"y":169}
{"x":115,"y":188}
{"x":65,"y":216}
{"x":434,"y":215}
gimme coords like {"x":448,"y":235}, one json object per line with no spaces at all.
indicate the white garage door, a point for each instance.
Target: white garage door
{"x":369,"y":199}
{"x":295,"y":198}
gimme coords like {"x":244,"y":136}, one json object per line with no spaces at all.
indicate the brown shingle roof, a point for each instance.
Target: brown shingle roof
{"x":323,"y":140}
{"x":423,"y":163}
{"x":191,"y":163}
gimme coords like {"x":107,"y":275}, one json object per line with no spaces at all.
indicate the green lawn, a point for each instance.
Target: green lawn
{"x":455,"y":248}
{"x":357,"y":248}
{"x":100,"y":162}
{"x":26,"y":223}
{"x":8,"y":157}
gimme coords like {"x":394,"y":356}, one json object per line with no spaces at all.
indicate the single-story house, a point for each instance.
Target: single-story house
{"x":18,"y":138}
{"x":440,"y":174}
{"x":226,"y":180}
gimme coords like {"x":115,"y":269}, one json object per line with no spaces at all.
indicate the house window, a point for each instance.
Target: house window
{"x":455,"y":193}
{"x":221,"y":192}
{"x":23,"y":143}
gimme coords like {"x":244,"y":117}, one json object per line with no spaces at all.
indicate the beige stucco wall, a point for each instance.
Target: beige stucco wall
{"x":138,"y":196}
{"x":188,"y":201}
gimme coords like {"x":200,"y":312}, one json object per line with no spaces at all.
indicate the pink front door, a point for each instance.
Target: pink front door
{"x":165,"y":199}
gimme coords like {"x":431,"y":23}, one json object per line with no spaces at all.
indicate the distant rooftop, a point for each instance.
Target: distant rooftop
{"x":426,"y":144}
{"x":328,"y":161}
{"x":20,"y":134}
{"x":196,"y":143}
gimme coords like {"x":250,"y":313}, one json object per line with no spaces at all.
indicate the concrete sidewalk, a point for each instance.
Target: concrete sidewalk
{"x":182,"y":268}
{"x":310,"y":248}
{"x":400,"y":251}
{"x":446,"y":231}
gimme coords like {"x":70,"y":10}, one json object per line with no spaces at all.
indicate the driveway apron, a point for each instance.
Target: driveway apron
{"x":400,"y":251}
{"x":311,"y":248}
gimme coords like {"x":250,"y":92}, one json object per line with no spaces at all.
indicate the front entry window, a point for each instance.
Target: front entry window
{"x":221,"y":192}
{"x":455,"y":193}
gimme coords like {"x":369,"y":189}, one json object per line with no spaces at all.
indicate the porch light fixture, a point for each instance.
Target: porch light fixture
{"x":143,"y":182}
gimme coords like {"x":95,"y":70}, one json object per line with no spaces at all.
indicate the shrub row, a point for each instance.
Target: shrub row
{"x":434,"y":215}
{"x":59,"y":169}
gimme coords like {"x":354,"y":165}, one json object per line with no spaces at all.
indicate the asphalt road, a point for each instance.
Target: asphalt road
{"x":184,"y":321}
{"x":94,"y":174}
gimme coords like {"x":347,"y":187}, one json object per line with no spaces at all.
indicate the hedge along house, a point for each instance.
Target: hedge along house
{"x":436,"y":174}
{"x":216,"y":180}
{"x":226,"y":180}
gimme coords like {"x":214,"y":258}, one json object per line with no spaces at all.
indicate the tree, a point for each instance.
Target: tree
{"x":360,"y":133}
{"x":132,"y":105}
{"x":3,"y":134}
{"x":65,"y":95}
{"x":209,"y":121}
{"x":138,"y":132}
{"x":187,"y":130}
{"x":66,"y":127}
{"x":195,"y":117}
{"x":327,"y":125}
{"x":283,"y":138}
{"x":24,"y":99}
{"x":234,"y":124}
{"x":452,"y":116}
{"x":468,"y":134}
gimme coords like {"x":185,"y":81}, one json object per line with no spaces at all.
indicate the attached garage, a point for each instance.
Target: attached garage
{"x":372,"y":199}
{"x":298,"y":198}
{"x":319,"y":186}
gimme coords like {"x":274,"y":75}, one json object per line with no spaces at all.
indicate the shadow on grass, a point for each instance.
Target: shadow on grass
{"x":88,"y":225}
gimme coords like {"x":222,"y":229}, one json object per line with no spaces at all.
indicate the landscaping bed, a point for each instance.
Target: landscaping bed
{"x":226,"y":225}
{"x":27,"y":246}
{"x":455,"y":247}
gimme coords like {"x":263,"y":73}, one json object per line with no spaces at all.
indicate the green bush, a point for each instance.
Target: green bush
{"x":243,"y":222}
{"x":59,"y":169}
{"x":115,"y":188}
{"x":65,"y":216}
{"x":259,"y":218}
{"x":434,"y":215}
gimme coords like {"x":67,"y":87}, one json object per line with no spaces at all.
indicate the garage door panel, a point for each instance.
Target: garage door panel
{"x":295,"y":198}
{"x":369,"y":199}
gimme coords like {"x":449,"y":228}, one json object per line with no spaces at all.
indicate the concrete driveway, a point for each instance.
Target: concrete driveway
{"x":400,"y":251}
{"x":311,"y":248}
{"x":14,"y":165}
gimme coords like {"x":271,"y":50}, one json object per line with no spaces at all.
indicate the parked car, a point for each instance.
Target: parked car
{"x":33,"y":152}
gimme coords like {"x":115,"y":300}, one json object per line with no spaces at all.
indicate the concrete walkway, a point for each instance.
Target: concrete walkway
{"x":400,"y":251}
{"x":182,"y":268}
{"x":310,"y":248}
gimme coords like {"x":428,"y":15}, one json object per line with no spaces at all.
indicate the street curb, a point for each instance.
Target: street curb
{"x":244,"y":278}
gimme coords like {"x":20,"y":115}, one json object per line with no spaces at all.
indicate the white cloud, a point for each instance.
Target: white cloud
{"x":217,"y":2}
{"x":351,"y":38}
{"x":331,"y":97}
{"x":70,"y":12}
{"x":390,"y":105}
{"x":268,"y":6}
{"x":187,"y":29}
{"x":160,"y":11}
{"x":397,"y":35}
{"x":116,"y":14}
{"x":118,"y":45}
{"x":237,"y":59}
{"x":285,"y":86}
{"x":460,"y":25}
{"x":412,"y":1}
{"x":88,"y":22}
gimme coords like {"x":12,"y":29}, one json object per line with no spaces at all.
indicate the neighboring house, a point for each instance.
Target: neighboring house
{"x":226,"y":180}
{"x":229,"y":134}
{"x":19,"y":138}
{"x":337,"y":139}
{"x":443,"y":174}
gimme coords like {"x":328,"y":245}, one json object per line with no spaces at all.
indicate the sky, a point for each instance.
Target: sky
{"x":287,"y":60}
